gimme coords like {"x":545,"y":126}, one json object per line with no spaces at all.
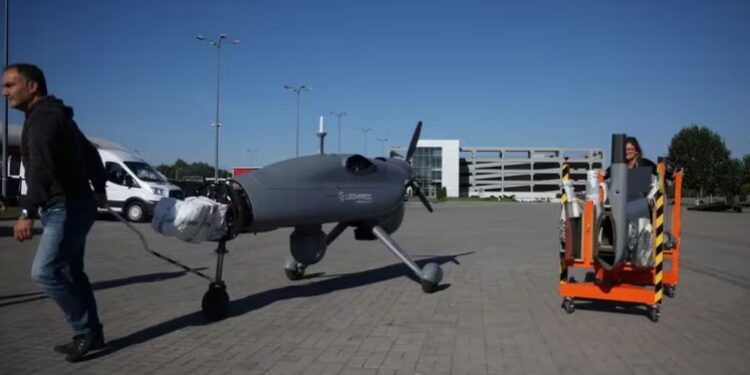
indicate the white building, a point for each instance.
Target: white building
{"x":527,"y":173}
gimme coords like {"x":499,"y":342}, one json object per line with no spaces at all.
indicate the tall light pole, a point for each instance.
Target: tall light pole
{"x":365,"y":130}
{"x":217,"y":43}
{"x":252,"y":152}
{"x":382,"y":144}
{"x":298,"y":90}
{"x":339,"y":115}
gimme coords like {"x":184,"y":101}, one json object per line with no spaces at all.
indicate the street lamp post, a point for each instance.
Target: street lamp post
{"x":297,"y":90}
{"x":382,"y":144}
{"x":365,"y":130}
{"x":339,"y":115}
{"x":217,"y":43}
{"x":252,"y":152}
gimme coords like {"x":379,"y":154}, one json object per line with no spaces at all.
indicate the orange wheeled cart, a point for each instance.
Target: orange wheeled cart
{"x":623,"y":282}
{"x":672,"y":245}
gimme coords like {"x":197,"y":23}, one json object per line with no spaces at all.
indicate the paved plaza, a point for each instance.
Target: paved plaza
{"x":359,"y":312}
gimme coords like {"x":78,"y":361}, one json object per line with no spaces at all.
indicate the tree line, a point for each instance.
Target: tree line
{"x":180,"y":169}
{"x":708,"y":165}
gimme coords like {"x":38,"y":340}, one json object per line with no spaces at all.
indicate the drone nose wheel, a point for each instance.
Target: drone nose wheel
{"x":430,"y":277}
{"x":215,"y":303}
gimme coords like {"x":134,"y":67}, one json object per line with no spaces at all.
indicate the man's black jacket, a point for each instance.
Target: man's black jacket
{"x":58,"y":159}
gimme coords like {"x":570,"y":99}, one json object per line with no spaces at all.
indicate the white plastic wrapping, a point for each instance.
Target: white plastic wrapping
{"x":195,"y":219}
{"x":573,"y":207}
{"x":640,"y":246}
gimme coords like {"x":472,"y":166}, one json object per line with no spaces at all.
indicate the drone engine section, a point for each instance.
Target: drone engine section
{"x":240,"y":211}
{"x":308,"y":244}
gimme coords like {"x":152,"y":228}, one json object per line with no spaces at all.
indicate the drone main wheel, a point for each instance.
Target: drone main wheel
{"x":294,"y":274}
{"x":215,"y":303}
{"x":294,"y":270}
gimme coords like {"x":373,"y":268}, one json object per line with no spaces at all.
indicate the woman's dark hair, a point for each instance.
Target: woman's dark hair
{"x":633,"y":141}
{"x":31,"y":73}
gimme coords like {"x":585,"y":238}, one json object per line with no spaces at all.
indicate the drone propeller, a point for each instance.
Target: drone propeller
{"x":418,"y":191}
{"x":413,"y":144}
{"x":412,"y":181}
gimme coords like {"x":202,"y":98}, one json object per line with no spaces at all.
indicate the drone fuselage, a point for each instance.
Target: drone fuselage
{"x":318,"y":189}
{"x":309,"y":191}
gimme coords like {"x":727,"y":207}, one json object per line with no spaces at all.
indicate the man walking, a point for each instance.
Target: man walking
{"x":61,"y":166}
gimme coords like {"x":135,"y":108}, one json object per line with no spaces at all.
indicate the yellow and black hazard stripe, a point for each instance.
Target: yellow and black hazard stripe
{"x":564,"y":200}
{"x":659,"y":241}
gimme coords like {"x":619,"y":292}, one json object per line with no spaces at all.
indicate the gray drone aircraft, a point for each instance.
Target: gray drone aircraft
{"x":307,"y":192}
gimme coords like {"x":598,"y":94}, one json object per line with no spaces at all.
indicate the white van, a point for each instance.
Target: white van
{"x":133,"y":186}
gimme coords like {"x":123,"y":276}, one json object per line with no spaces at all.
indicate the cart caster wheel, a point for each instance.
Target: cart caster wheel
{"x":569,"y":305}
{"x":294,"y":270}
{"x":653,"y":313}
{"x":215,"y":303}
{"x":670,"y":291}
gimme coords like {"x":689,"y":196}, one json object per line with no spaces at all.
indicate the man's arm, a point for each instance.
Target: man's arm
{"x":95,"y":167}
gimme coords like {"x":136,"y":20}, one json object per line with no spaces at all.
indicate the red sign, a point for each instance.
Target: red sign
{"x":239,"y":171}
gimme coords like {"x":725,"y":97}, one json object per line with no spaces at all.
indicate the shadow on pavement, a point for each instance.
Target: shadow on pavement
{"x":99,"y":285}
{"x":106,"y":216}
{"x":262,"y":299}
{"x":612,"y":307}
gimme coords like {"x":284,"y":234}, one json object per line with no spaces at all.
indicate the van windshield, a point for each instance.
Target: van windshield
{"x":144,"y":171}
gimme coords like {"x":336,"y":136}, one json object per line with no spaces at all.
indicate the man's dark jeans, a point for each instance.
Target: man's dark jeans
{"x":58,"y":264}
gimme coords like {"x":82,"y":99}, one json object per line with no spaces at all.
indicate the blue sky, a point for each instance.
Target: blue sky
{"x":490,"y":73}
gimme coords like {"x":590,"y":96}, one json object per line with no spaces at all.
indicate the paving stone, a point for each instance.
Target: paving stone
{"x":359,"y":312}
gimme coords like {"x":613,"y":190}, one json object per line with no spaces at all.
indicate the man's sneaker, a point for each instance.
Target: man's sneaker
{"x":81,"y":345}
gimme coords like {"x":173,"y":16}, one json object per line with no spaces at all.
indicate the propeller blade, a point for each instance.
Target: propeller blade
{"x":424,"y":200}
{"x":413,"y":144}
{"x":418,"y":191}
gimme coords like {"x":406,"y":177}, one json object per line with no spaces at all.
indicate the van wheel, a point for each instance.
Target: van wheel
{"x":135,"y":212}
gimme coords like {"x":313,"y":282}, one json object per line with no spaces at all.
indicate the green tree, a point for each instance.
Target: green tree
{"x":745,"y":187}
{"x":442,"y":193}
{"x":731,"y":179}
{"x":166,"y":170}
{"x":705,"y":159}
{"x":181,"y":168}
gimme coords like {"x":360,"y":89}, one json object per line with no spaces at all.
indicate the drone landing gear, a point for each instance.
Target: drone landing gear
{"x":429,"y":276}
{"x":294,"y":270}
{"x":215,"y":303}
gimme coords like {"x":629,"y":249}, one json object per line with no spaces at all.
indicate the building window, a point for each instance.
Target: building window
{"x":427,"y":164}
